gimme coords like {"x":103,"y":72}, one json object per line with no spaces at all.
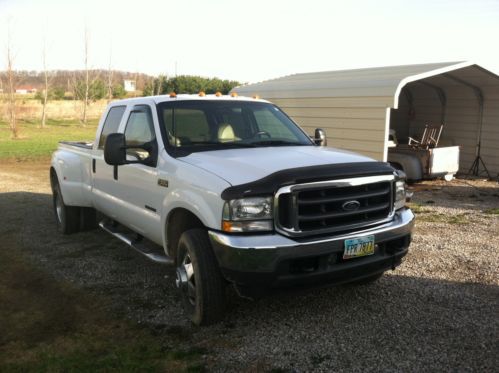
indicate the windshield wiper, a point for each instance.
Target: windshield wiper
{"x":223,"y":144}
{"x":277,"y":143}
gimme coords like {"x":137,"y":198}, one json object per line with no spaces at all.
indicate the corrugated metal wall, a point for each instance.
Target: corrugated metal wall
{"x":356,"y":124}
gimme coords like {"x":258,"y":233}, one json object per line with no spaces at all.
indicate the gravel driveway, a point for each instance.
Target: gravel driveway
{"x":438,"y":311}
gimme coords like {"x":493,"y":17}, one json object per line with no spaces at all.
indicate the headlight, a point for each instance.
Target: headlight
{"x":400,"y":194}
{"x":248,"y":215}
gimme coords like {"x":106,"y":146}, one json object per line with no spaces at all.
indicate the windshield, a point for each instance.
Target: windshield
{"x":198,"y":125}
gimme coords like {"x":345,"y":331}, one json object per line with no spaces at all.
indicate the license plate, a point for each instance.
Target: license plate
{"x":360,"y":246}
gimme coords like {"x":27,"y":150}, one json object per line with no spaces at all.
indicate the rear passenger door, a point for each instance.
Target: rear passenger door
{"x":103,"y":180}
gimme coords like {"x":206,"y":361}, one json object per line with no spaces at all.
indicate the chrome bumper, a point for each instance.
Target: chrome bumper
{"x":262,"y":253}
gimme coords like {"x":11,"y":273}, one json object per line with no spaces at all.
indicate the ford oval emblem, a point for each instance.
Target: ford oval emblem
{"x":350,"y":205}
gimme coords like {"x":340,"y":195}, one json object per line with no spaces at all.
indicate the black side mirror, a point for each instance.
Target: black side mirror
{"x":320,"y":137}
{"x":115,"y":149}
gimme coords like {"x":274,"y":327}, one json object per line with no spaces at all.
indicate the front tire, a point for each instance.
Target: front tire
{"x":199,"y":279}
{"x":67,"y":217}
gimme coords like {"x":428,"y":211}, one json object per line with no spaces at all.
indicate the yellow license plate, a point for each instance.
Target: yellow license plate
{"x":360,"y":246}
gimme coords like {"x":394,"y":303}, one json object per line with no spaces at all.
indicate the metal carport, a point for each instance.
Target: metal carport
{"x":358,"y":107}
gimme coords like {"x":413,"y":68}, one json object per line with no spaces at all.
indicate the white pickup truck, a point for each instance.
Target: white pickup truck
{"x":230,"y":190}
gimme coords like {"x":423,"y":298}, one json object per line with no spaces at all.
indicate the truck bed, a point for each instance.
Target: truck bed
{"x":79,"y":144}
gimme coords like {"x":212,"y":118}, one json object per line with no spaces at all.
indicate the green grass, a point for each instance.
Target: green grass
{"x":444,"y":218}
{"x":418,"y":208}
{"x":49,"y":326}
{"x":493,"y":211}
{"x":35,"y":142}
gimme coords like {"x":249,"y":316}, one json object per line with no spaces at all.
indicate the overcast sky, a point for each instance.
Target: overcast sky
{"x":249,"y":40}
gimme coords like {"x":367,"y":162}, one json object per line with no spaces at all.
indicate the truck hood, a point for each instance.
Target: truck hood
{"x":240,"y":166}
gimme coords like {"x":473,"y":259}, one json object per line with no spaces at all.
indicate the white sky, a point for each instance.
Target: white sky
{"x":250,"y":40}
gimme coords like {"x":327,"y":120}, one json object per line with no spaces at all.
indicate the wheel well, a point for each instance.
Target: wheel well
{"x":179,"y":220}
{"x":53,"y":177}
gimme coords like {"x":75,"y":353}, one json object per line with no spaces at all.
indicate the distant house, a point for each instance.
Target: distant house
{"x":25,"y":89}
{"x":129,"y":85}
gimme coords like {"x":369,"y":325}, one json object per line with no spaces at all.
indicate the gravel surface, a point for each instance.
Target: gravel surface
{"x":438,"y":311}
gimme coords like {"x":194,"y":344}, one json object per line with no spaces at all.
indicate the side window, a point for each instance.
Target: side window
{"x":268,"y":122}
{"x":111,"y":123}
{"x":139,"y":130}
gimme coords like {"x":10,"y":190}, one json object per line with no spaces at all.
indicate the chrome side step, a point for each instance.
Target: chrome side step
{"x":137,"y":244}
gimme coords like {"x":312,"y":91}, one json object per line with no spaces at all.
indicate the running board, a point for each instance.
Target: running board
{"x":136,"y":244}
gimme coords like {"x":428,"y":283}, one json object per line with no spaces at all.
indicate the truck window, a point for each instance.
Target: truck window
{"x":111,"y":123}
{"x":139,"y":130}
{"x":267,"y":121}
{"x":191,"y":125}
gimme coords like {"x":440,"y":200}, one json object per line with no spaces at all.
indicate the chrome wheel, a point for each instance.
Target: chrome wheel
{"x":186,"y":280}
{"x":58,"y":207}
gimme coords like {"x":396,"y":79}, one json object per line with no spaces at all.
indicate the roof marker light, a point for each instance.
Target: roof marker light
{"x":173,"y":95}
{"x":233,"y":94}
{"x":218,"y":94}
{"x":202,"y":94}
{"x":256,"y":97}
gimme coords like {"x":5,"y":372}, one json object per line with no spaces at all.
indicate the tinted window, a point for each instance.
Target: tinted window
{"x":111,"y":123}
{"x":268,"y":122}
{"x":190,"y":125}
{"x":139,"y":127}
{"x":199,"y":125}
{"x":139,"y":130}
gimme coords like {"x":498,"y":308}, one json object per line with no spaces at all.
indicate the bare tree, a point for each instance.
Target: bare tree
{"x":110,"y":76}
{"x":87,"y":80}
{"x":46,"y":81}
{"x":11,"y":77}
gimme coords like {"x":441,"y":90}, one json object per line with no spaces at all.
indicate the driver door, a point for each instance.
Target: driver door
{"x":137,"y":184}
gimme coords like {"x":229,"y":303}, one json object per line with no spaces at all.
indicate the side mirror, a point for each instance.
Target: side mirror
{"x":115,"y":149}
{"x":320,"y":137}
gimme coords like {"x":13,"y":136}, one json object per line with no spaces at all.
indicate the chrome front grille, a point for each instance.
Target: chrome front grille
{"x":334,"y":206}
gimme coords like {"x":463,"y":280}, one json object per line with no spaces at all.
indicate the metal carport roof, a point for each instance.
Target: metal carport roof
{"x":356,"y":102}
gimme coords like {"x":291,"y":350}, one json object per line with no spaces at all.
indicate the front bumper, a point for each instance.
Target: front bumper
{"x":275,"y":261}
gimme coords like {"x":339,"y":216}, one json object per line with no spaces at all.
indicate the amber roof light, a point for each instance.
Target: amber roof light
{"x":202,"y":94}
{"x":218,"y":94}
{"x":173,"y":94}
{"x":233,"y":94}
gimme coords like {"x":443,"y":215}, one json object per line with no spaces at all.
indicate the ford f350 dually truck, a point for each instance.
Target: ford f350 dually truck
{"x":230,"y":190}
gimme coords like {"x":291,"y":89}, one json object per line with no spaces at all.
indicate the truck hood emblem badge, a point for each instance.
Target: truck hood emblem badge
{"x":350,"y":205}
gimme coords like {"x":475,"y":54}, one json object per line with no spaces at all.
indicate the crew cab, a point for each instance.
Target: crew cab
{"x":230,"y":190}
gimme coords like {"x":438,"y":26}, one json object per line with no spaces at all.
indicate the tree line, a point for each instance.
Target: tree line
{"x":188,"y":84}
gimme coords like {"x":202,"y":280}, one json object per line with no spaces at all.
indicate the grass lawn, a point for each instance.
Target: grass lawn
{"x":50,"y":326}
{"x":35,"y":142}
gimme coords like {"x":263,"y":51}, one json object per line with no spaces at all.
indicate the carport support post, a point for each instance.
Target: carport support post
{"x":475,"y":167}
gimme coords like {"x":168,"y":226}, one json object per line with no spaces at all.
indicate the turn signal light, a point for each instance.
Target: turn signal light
{"x":227,"y":226}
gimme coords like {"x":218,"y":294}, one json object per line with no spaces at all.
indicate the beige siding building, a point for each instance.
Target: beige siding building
{"x":358,"y":107}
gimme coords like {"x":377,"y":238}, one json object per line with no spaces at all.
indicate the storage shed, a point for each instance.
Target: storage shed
{"x":357,"y":108}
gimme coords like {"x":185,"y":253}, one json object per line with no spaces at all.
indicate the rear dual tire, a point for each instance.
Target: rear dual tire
{"x":67,"y":217}
{"x":71,"y":219}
